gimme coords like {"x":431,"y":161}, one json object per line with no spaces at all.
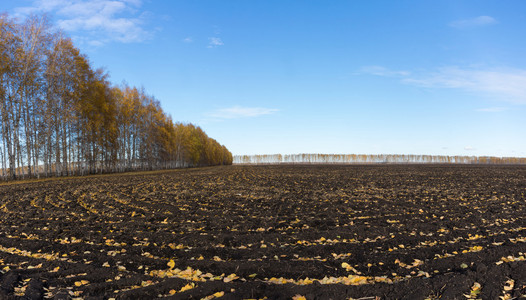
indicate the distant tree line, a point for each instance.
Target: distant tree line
{"x":372,"y":159}
{"x":59,"y":116}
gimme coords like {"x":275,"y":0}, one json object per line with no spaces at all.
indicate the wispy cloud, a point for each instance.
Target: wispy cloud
{"x":98,"y":21}
{"x":469,"y":148}
{"x":507,"y":85}
{"x":237,"y":112}
{"x":474,"y":22}
{"x":503,"y":84}
{"x":188,"y":40}
{"x":382,"y":71}
{"x":492,"y":109}
{"x":214,"y":42}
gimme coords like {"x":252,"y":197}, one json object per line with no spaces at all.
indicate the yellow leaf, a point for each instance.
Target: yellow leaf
{"x":187,"y":287}
{"x":511,"y":284}
{"x":171,"y":264}
{"x":219,"y":294}
{"x":230,"y":277}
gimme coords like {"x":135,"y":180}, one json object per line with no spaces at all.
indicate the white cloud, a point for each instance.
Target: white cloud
{"x":95,"y":43}
{"x":237,"y":112}
{"x":507,"y":85}
{"x":503,"y":84}
{"x":474,"y":22}
{"x":382,"y":71}
{"x":492,"y":109}
{"x":188,"y":40}
{"x":214,"y":42}
{"x":100,"y":21}
{"x":469,"y":148}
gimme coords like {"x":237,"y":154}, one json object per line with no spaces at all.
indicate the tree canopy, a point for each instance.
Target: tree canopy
{"x":60,"y":116}
{"x":306,"y":158}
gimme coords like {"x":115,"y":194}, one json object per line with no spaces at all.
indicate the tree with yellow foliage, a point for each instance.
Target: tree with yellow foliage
{"x":59,"y":116}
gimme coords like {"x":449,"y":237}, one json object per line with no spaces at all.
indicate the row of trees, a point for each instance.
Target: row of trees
{"x":372,"y":158}
{"x":59,"y":116}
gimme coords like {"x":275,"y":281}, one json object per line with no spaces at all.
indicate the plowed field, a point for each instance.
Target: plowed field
{"x":323,"y":232}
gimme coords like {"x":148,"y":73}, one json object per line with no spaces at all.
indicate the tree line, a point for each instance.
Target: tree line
{"x":372,"y":158}
{"x":60,"y":116}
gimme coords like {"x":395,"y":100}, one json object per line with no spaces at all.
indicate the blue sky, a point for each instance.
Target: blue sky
{"x":264,"y":77}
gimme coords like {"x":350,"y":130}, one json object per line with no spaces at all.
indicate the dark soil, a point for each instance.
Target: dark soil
{"x":323,"y":232}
